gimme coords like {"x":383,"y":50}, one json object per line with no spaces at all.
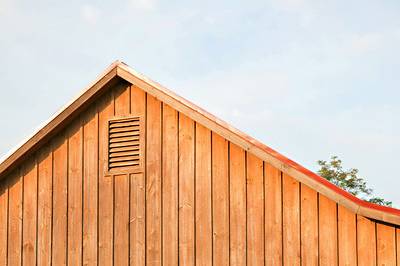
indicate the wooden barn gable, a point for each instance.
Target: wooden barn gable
{"x":129,"y":173}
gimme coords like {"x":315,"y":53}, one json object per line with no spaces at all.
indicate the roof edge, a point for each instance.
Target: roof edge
{"x":300,"y":173}
{"x":28,"y":144}
{"x":120,"y":69}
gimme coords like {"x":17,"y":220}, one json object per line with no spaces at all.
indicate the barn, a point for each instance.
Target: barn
{"x":131,"y":174}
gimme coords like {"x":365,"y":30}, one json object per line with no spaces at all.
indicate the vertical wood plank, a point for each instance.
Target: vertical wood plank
{"x":273,"y":215}
{"x":137,"y":202}
{"x":121,"y":232}
{"x":138,"y":101}
{"x":291,"y":221}
{"x":105,"y":108}
{"x":90,"y":185}
{"x":3,"y":221}
{"x":238,"y":200}
{"x":75,"y":196}
{"x":29,"y":213}
{"x":386,"y":244}
{"x":203,"y":196}
{"x":347,"y":237}
{"x":121,"y":188}
{"x":255,"y":210}
{"x":220,"y":192}
{"x":153,"y":181}
{"x":45,"y":180}
{"x":186,"y":190}
{"x":309,"y":226}
{"x":15,"y":219}
{"x":122,"y":100}
{"x":60,"y":200}
{"x":137,"y":231}
{"x":366,"y":244}
{"x":327,"y":231}
{"x":170,"y":186}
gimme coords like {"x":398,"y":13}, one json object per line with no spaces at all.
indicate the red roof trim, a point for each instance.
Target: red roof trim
{"x":262,"y":146}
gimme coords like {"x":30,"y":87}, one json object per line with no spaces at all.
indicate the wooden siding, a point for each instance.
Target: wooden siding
{"x":200,"y":199}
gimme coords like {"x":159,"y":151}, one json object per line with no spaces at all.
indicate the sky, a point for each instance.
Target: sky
{"x":308,"y":78}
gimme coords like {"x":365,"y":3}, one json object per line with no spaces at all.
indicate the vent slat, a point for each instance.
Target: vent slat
{"x":124,"y":149}
{"x":124,"y":159}
{"x":124,"y":153}
{"x":124,"y":134}
{"x":124,"y":139}
{"x":124,"y":124}
{"x":123,"y":129}
{"x":124,"y":164}
{"x":124,"y":143}
{"x":123,"y":120}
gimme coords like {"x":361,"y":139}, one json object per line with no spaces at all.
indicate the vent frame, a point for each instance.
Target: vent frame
{"x":139,"y":143}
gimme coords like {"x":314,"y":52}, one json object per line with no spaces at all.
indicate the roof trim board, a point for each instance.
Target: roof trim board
{"x":57,"y":120}
{"x":121,"y":70}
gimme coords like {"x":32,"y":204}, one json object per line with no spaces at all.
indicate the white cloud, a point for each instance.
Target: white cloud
{"x":90,"y":14}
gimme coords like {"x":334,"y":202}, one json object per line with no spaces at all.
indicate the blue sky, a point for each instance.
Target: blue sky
{"x":309,"y":78}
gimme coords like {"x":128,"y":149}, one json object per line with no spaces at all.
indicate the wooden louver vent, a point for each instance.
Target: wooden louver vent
{"x":124,"y":143}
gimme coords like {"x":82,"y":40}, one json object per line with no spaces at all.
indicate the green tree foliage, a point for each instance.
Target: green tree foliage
{"x":348,"y":180}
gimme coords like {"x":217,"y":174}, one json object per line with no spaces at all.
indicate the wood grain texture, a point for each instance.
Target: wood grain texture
{"x":29,"y":230}
{"x":121,"y":222}
{"x":75,"y":193}
{"x":220,"y":191}
{"x":90,"y":187}
{"x":45,"y":205}
{"x":170,"y":186}
{"x":347,"y":235}
{"x":60,"y":200}
{"x":386,"y":244}
{"x":122,"y":102}
{"x":273,"y":215}
{"x":327,"y":231}
{"x":291,"y":221}
{"x":153,"y":182}
{"x":237,"y":175}
{"x":15,"y":188}
{"x":186,"y":191}
{"x":203,"y":197}
{"x":105,"y":109}
{"x":366,"y":244}
{"x":255,"y":210}
{"x":309,"y":226}
{"x":137,"y":238}
{"x":3,"y":222}
{"x":137,"y":251}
